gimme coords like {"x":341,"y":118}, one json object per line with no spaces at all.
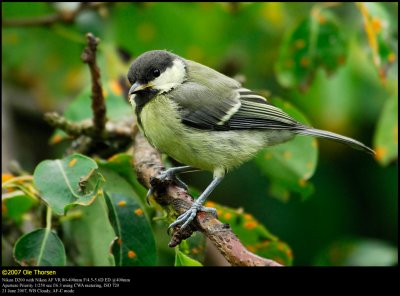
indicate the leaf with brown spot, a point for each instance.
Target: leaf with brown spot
{"x":386,"y":134}
{"x":290,"y":165}
{"x":135,"y":244}
{"x":378,"y":29}
{"x":63,"y":183}
{"x":316,"y":42}
{"x":90,"y":234}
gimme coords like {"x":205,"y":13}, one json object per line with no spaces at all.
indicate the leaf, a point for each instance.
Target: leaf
{"x":80,"y":109}
{"x":90,"y":233}
{"x":41,"y":247}
{"x":134,"y":243}
{"x":15,"y":206}
{"x":378,"y":30}
{"x":21,"y":183}
{"x":386,"y":136}
{"x":291,"y":164}
{"x":184,"y":260}
{"x":121,"y":163}
{"x":253,"y":235}
{"x":194,"y":246}
{"x":73,"y":180}
{"x":316,"y":42}
{"x":358,"y":252}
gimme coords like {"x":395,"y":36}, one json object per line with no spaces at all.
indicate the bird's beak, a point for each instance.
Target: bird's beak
{"x":138,"y":87}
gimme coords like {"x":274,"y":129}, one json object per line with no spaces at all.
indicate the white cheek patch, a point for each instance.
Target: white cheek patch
{"x":171,"y":77}
{"x":132,"y":99}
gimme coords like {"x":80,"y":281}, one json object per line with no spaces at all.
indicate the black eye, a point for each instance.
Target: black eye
{"x":156,"y":73}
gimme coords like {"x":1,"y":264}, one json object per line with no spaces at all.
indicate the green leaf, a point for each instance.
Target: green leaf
{"x":184,"y":260}
{"x":41,"y":247}
{"x":291,"y":164}
{"x":387,"y":132}
{"x":73,"y":180}
{"x":358,"y":252}
{"x":134,"y":244}
{"x":254,"y":236}
{"x":378,"y":29}
{"x":196,"y":246}
{"x":316,"y":42}
{"x":80,"y":109}
{"x":121,"y":163}
{"x":16,"y":205}
{"x":90,"y":233}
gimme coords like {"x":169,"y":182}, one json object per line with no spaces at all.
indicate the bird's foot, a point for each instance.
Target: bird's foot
{"x":186,"y":218}
{"x":168,"y":175}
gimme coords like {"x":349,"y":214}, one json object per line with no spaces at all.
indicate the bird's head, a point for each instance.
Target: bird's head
{"x":156,"y":71}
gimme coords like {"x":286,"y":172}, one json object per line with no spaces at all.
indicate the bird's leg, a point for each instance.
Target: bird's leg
{"x":170,"y":175}
{"x":190,"y":214}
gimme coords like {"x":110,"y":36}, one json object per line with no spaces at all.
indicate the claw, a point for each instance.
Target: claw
{"x":187,"y":217}
{"x":170,"y":175}
{"x":166,"y":175}
{"x":149,"y":193}
{"x":181,"y":184}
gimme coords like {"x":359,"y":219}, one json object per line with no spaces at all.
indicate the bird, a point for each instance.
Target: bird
{"x":206,"y":120}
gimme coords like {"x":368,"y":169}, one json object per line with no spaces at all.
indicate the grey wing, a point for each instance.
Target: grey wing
{"x":201,"y":107}
{"x":256,"y":112}
{"x":209,"y":100}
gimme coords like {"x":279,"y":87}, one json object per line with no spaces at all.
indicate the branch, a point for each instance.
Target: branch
{"x":47,"y":20}
{"x":148,"y":165}
{"x":98,"y":103}
{"x":71,"y":128}
{"x":36,"y":21}
{"x":119,"y":129}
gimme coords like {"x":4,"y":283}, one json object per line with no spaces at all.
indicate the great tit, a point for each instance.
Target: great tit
{"x":206,"y":120}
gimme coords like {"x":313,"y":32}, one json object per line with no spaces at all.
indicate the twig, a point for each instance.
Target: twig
{"x":147,"y":162}
{"x":47,"y":20}
{"x":120,"y":129}
{"x":36,"y":21}
{"x":71,"y":128}
{"x":98,"y":103}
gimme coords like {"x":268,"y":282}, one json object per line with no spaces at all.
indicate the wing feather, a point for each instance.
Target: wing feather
{"x":201,"y":105}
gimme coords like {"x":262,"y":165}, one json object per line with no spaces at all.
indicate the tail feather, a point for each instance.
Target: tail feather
{"x":336,"y":137}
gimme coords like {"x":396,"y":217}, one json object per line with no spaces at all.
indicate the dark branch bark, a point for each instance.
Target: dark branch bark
{"x":31,"y":22}
{"x":147,"y":162}
{"x":98,"y":103}
{"x":47,"y":20}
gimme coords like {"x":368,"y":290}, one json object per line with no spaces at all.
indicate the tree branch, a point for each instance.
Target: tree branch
{"x":98,"y":103}
{"x":31,"y":22}
{"x":176,"y":200}
{"x":120,"y":129}
{"x":47,"y":20}
{"x":71,"y":128}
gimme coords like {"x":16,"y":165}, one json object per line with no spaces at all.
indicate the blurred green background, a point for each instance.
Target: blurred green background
{"x":352,"y":215}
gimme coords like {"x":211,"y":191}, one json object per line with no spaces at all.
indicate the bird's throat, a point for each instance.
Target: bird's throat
{"x":141,"y":99}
